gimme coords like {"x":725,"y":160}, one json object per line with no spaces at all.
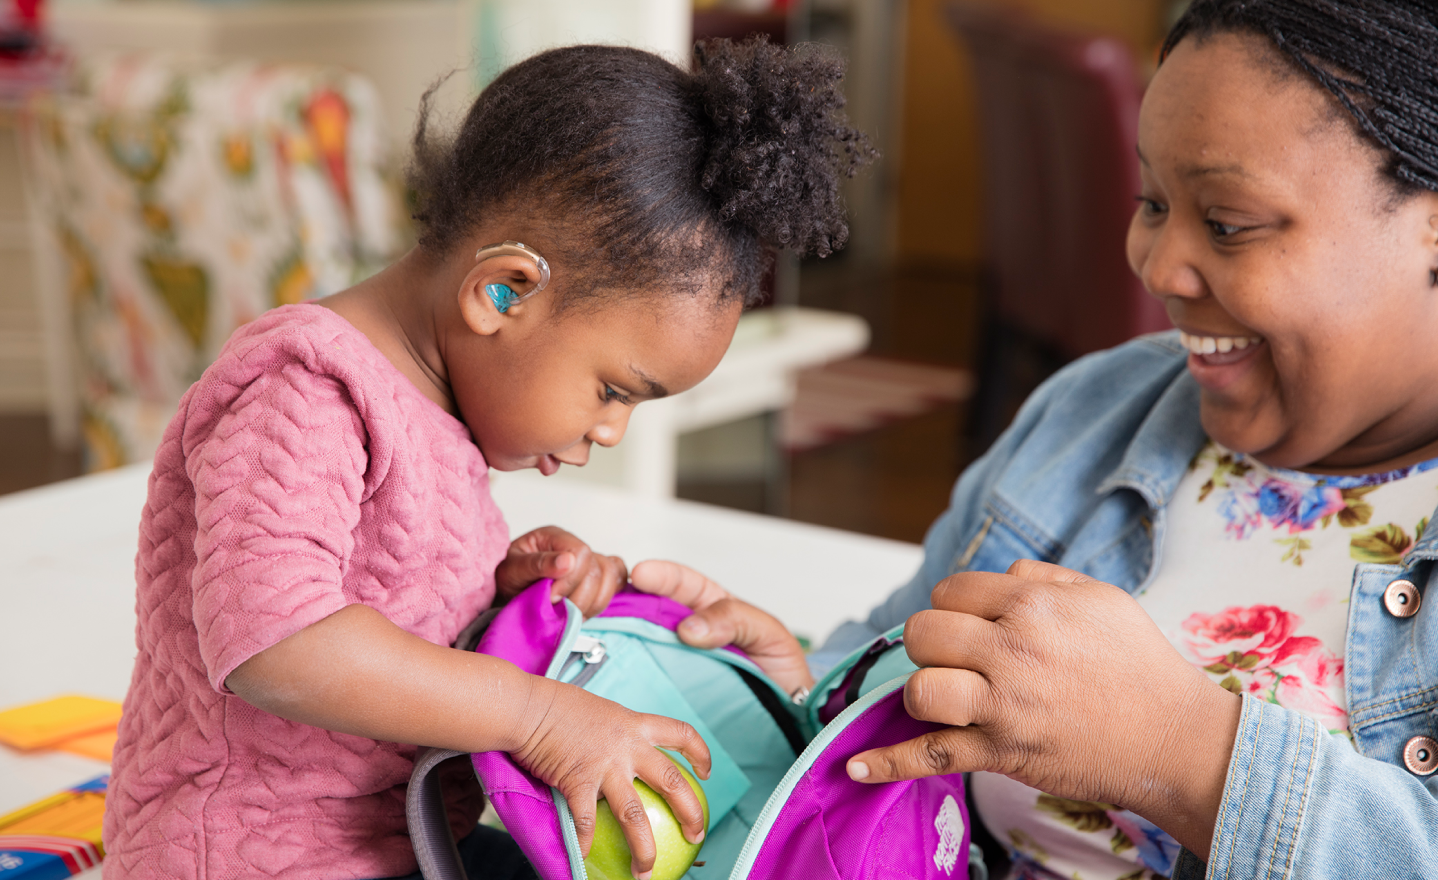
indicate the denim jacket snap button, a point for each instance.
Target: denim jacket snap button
{"x":1420,"y":755}
{"x":1402,"y":599}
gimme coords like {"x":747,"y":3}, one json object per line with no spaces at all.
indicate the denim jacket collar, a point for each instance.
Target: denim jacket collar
{"x":1149,"y":465}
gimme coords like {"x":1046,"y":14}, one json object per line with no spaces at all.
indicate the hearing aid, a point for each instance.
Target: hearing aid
{"x":502,"y":295}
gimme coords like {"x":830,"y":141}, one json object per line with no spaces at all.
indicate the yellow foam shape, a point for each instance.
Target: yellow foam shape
{"x":44,"y":724}
{"x":77,"y":814}
{"x":100,"y":746}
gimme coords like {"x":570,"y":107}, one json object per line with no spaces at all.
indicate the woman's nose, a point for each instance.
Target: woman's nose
{"x":1162,"y":259}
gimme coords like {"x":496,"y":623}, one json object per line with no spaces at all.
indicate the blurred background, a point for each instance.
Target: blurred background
{"x":170,"y":168}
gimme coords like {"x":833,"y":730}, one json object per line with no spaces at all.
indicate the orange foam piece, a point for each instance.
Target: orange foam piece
{"x":48,"y":723}
{"x":100,"y":746}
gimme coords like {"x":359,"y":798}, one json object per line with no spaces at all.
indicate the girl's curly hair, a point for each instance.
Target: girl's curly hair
{"x":650,"y":174}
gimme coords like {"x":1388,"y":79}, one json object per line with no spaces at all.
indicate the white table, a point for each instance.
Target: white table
{"x":67,"y":580}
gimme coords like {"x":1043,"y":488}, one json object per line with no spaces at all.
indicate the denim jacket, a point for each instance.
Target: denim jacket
{"x":1083,"y":479}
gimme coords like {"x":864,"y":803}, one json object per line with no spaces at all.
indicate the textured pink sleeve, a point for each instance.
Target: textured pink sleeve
{"x":278,"y":487}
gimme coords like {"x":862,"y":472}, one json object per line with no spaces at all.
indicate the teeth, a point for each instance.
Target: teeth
{"x":1212,"y":344}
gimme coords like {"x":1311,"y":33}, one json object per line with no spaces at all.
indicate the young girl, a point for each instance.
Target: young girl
{"x":319,"y":527}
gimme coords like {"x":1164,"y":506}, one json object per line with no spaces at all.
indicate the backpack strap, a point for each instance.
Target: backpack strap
{"x":428,"y":822}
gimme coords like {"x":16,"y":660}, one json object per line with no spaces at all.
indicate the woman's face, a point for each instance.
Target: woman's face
{"x":1279,"y":250}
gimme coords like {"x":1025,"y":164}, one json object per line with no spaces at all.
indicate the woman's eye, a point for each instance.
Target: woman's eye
{"x":1149,"y":207}
{"x":1223,"y":230}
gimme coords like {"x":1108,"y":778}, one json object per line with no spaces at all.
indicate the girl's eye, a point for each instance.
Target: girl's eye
{"x":611,"y":394}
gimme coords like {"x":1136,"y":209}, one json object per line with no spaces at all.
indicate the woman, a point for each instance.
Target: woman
{"x":1226,"y":633}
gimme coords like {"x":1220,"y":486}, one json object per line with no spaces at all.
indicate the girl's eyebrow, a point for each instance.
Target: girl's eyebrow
{"x":652,"y":389}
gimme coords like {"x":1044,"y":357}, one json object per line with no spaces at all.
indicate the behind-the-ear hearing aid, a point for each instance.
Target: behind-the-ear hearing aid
{"x":503,"y":295}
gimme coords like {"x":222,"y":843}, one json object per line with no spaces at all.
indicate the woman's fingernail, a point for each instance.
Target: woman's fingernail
{"x":638,"y":876}
{"x":564,"y":562}
{"x":858,"y":771}
{"x":695,"y":627}
{"x":698,"y":838}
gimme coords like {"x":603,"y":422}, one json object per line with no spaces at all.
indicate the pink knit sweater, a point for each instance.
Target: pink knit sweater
{"x":303,"y":473}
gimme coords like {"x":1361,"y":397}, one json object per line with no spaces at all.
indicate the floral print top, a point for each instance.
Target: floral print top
{"x":1252,"y":587}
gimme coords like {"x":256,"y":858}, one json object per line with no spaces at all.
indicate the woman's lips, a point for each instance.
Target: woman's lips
{"x":1216,"y":361}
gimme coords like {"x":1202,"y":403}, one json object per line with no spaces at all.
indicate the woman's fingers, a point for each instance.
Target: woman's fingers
{"x":989,"y":595}
{"x":679,"y":582}
{"x":951,"y":750}
{"x":757,"y":633}
{"x":951,"y":638}
{"x":958,"y":697}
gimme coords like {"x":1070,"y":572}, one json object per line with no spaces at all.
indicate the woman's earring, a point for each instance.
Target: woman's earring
{"x":503,"y":296}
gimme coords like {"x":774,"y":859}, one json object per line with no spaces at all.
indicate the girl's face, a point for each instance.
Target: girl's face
{"x":1265,"y":227}
{"x":542,"y":387}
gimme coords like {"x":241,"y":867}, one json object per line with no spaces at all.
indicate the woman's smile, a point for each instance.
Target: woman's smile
{"x":1216,"y":362}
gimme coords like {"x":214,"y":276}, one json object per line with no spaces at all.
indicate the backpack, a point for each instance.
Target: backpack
{"x":781,"y":803}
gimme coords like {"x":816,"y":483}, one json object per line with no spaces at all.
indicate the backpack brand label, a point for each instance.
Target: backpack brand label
{"x":950,"y":826}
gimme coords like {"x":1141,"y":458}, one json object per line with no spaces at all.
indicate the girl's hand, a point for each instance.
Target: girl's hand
{"x":589,"y":747}
{"x":1063,"y":683}
{"x":720,"y":619}
{"x":587,"y":578}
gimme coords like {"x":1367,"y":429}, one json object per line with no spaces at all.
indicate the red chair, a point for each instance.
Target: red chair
{"x":1058,"y":121}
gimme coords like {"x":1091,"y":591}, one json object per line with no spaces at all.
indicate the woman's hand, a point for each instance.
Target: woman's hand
{"x":589,"y":747}
{"x":588,"y":579}
{"x":1063,"y":683}
{"x":719,"y":619}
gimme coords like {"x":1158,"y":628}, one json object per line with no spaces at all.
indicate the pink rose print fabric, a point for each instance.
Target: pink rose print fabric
{"x":1257,"y":652}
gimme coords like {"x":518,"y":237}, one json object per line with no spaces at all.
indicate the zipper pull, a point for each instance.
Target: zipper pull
{"x":590,"y":647}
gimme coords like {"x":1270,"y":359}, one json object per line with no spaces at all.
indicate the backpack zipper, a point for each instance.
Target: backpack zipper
{"x":587,"y":650}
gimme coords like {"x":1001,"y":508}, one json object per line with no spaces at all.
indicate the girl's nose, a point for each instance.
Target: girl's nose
{"x":611,"y":430}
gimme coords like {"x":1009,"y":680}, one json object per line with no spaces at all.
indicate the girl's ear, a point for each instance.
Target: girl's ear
{"x":492,"y":292}
{"x":476,"y":307}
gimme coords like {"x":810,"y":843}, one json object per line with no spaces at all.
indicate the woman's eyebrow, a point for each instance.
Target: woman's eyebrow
{"x":1192,"y":171}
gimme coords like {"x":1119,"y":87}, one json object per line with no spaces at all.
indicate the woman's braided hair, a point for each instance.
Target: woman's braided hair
{"x":647,"y":174}
{"x":1379,"y":59}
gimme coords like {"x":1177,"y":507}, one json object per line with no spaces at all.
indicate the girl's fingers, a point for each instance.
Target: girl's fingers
{"x":629,"y":811}
{"x":677,"y":736}
{"x":581,"y":800}
{"x":679,"y":582}
{"x":518,"y":571}
{"x":958,"y":697}
{"x":951,"y":750}
{"x":604,"y":577}
{"x":665,"y":777}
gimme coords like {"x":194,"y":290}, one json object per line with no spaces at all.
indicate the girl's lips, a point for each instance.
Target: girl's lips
{"x":548,"y":465}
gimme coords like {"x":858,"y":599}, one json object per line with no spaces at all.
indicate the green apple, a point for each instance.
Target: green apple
{"x":609,"y":856}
